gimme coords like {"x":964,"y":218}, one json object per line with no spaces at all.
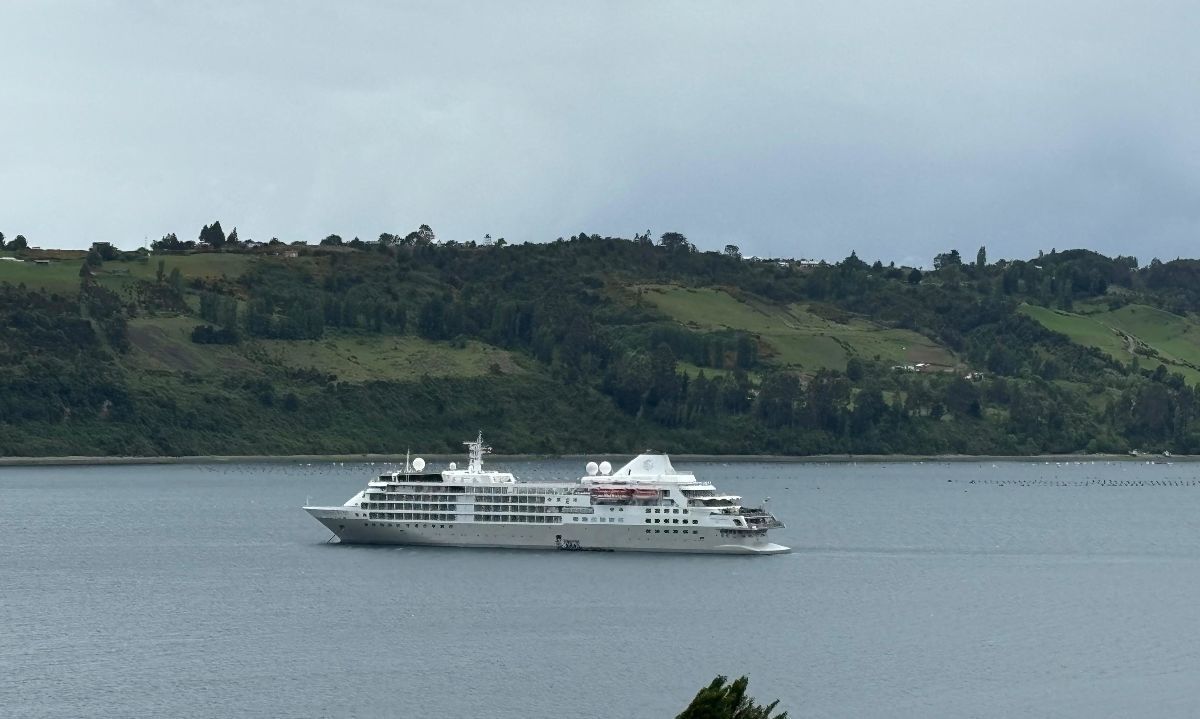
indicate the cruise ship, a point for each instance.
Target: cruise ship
{"x":646,"y":505}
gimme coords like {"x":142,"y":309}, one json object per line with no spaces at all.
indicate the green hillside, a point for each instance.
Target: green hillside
{"x":163,"y":344}
{"x":795,"y":335}
{"x":1153,"y":336}
{"x":587,"y":344}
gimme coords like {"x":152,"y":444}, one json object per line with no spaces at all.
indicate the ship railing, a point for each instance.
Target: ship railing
{"x":761,"y":519}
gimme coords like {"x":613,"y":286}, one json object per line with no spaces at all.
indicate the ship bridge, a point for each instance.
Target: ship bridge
{"x":474,"y":472}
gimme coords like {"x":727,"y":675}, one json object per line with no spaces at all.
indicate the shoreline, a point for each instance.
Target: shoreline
{"x":399,"y":458}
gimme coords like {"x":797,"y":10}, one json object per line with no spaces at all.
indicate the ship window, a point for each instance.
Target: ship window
{"x":656,"y":531}
{"x":695,"y":521}
{"x":656,"y":521}
{"x":647,"y":521}
{"x":574,"y":519}
{"x":647,"y":510}
{"x":676,"y":531}
{"x":656,"y":510}
{"x":647,"y":531}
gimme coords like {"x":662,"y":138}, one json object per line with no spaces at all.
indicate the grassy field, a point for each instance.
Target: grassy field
{"x":120,"y":275}
{"x":1086,"y":330}
{"x":59,"y":277}
{"x":163,"y":344}
{"x":796,"y":335}
{"x":1120,"y":332}
{"x":1173,"y":336}
{"x":693,"y":371}
{"x":360,"y":358}
{"x":62,"y":276}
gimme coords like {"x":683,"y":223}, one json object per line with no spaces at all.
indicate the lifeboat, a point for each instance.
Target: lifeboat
{"x":612,"y":492}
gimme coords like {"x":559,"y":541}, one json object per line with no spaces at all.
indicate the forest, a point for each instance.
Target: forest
{"x":588,"y":344}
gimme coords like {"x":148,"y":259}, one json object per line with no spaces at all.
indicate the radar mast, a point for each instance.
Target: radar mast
{"x":475,"y":452}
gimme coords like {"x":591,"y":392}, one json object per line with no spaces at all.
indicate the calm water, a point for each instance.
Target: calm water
{"x":916,"y":590}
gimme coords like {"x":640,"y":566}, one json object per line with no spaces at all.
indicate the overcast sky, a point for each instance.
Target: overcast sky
{"x":897,"y":129}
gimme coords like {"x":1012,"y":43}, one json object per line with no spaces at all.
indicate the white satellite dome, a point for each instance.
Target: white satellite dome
{"x":592,"y":468}
{"x":605,"y":467}
{"x":453,"y":465}
{"x":418,"y":464}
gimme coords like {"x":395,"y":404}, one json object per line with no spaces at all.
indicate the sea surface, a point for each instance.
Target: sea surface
{"x":915,"y":590}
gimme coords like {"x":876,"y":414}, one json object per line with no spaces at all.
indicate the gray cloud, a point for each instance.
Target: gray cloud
{"x":894,"y":129}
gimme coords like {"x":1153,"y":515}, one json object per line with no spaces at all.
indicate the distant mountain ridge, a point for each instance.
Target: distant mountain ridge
{"x":588,"y":344}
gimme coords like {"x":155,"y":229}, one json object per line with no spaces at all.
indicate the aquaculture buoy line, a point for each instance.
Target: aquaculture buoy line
{"x":1081,"y":482}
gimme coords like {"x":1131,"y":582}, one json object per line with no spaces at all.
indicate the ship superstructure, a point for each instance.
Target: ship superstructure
{"x":645,"y":505}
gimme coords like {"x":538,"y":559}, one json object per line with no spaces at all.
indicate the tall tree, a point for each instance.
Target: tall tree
{"x":724,"y":700}
{"x":421,"y":236}
{"x":981,"y":258}
{"x":168,"y":243}
{"x":675,"y":241}
{"x":947,"y":259}
{"x":212,"y":235}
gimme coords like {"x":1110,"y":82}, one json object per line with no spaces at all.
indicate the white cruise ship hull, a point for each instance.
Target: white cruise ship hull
{"x":351,"y":527}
